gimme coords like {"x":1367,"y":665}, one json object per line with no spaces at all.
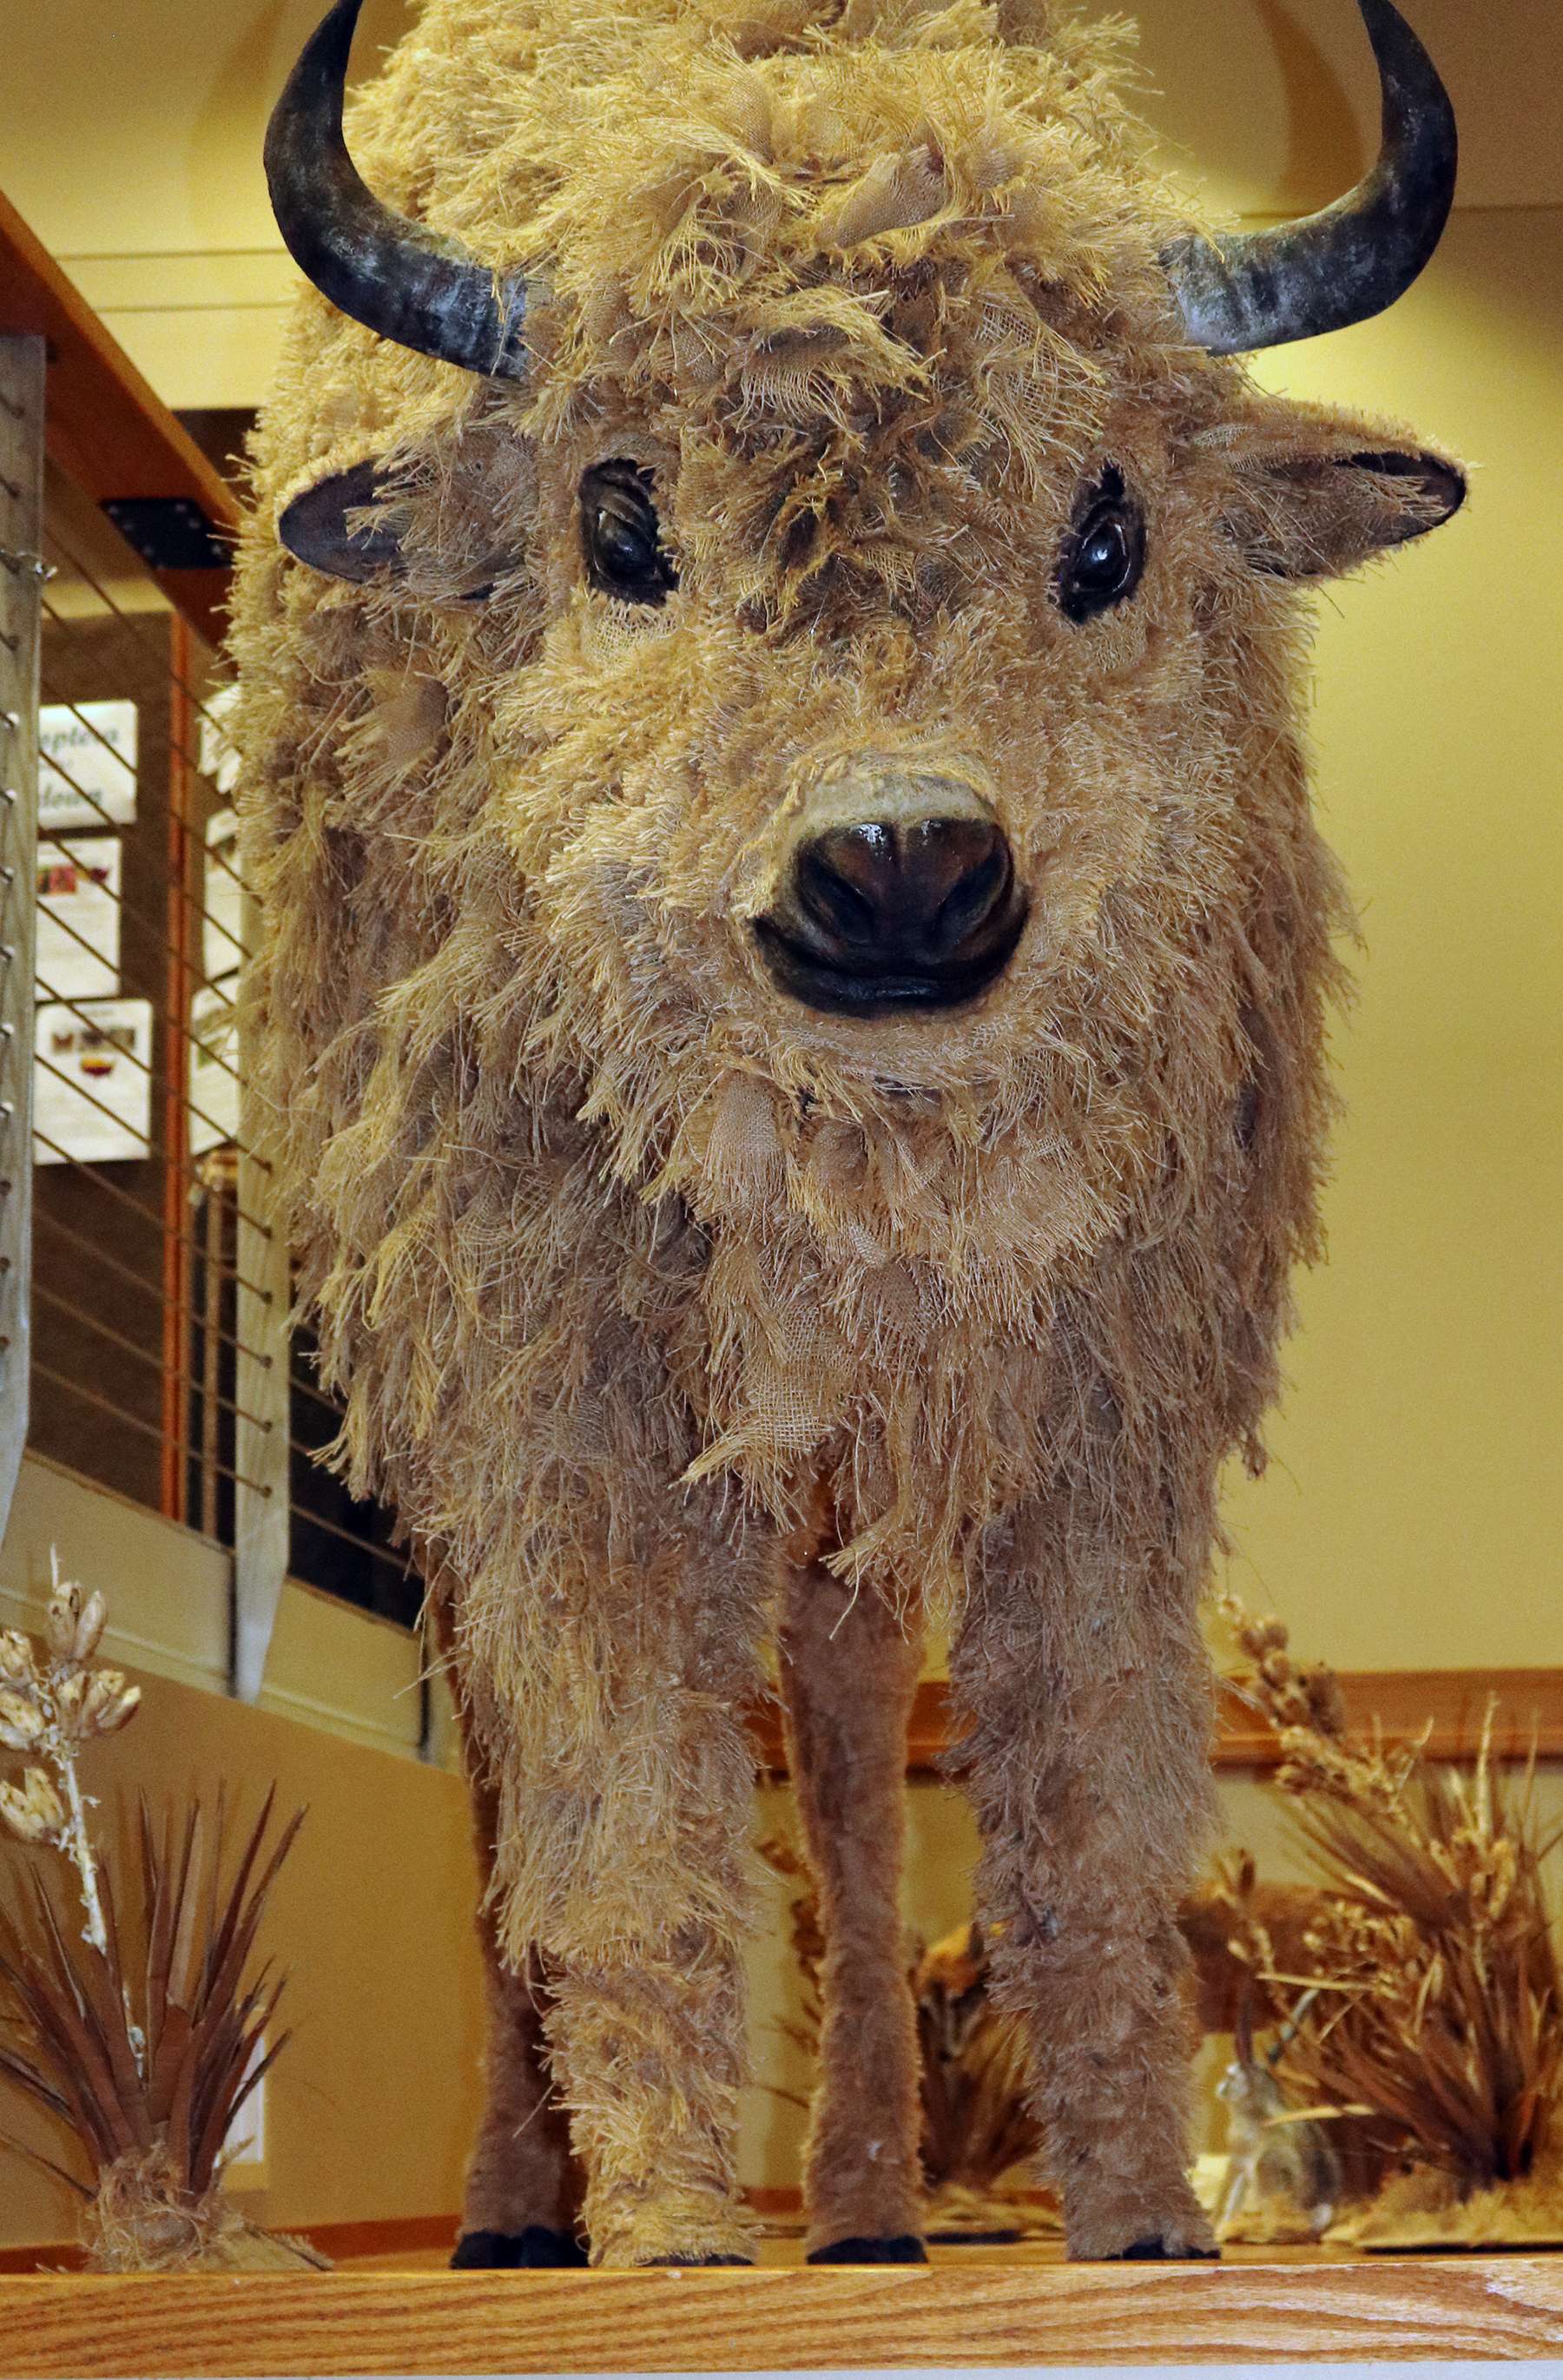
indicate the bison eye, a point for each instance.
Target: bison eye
{"x":1105,"y":550}
{"x":620,"y":537}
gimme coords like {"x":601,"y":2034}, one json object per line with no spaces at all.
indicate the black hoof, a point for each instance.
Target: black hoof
{"x":905,"y":2249}
{"x":537,"y":2249}
{"x":1156,"y":2252}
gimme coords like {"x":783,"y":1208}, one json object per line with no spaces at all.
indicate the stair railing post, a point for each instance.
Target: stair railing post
{"x":260,"y":1494}
{"x":22,"y":574}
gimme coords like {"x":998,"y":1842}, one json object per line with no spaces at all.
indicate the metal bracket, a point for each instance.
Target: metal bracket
{"x":169,"y":533}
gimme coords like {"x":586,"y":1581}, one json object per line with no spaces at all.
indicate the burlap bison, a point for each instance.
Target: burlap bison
{"x":792,"y":998}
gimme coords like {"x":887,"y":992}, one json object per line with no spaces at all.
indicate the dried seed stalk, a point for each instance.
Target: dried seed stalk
{"x":1432,"y":1951}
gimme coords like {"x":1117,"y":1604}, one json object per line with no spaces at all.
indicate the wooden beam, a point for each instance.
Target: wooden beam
{"x":977,"y":2309}
{"x":1452,"y":1703}
{"x":106,"y":427}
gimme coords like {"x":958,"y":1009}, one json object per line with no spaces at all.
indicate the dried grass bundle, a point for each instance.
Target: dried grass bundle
{"x":976,"y":2074}
{"x":1432,"y":1951}
{"x":807,"y":1937}
{"x":144,"y":2056}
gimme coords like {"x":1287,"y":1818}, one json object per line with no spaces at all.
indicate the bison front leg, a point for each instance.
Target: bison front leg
{"x":849,"y":1668}
{"x":624,"y":1853}
{"x":1089,"y":1691}
{"x":646,"y":2015}
{"x":650,"y":2049}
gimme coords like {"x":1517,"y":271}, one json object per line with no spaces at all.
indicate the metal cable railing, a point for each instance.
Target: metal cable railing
{"x":163,"y":1362}
{"x":101,"y":811}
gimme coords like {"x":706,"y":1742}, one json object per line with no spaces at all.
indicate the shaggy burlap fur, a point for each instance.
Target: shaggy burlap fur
{"x":626,"y":1263}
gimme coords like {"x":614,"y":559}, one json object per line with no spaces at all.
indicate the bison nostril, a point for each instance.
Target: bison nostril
{"x":826,"y":897}
{"x":976,"y":895}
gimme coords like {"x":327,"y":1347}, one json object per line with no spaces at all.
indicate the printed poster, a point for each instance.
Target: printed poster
{"x":86,"y":765}
{"x":219,"y":753}
{"x":213,"y":1077}
{"x":91,"y":1088}
{"x":221,"y":948}
{"x":77,"y":920}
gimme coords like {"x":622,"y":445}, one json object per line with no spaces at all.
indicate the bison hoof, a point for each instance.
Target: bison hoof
{"x":537,"y":2249}
{"x":904,"y":2250}
{"x":1155,"y":2251}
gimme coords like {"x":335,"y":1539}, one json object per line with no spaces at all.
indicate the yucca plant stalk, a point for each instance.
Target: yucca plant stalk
{"x":142,"y":2057}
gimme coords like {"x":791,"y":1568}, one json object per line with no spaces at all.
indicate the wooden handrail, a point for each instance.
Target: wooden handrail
{"x":105,"y":426}
{"x":1451,"y":1703}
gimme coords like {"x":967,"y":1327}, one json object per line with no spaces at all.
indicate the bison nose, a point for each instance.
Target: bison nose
{"x":903,"y":897}
{"x":914,"y":908}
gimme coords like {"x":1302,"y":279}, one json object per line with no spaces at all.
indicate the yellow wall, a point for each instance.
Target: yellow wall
{"x":1413,"y":1516}
{"x":371,"y":2106}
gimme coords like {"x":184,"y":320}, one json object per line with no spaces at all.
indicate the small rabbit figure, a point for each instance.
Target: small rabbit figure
{"x":1280,"y":2169}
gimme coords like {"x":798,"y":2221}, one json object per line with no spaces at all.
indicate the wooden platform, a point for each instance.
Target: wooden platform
{"x":976,"y":2309}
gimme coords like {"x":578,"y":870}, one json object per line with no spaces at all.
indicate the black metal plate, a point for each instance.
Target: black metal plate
{"x":169,"y":533}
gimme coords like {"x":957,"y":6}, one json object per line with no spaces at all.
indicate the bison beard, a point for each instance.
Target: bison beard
{"x":764,"y":588}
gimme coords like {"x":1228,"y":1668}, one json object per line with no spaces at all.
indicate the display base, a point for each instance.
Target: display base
{"x":973,"y":2308}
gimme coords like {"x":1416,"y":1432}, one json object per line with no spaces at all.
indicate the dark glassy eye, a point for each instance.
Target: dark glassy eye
{"x":620,"y":536}
{"x":1105,"y":550}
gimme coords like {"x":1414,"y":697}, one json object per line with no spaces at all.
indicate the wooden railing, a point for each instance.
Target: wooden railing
{"x":106,"y":427}
{"x":1449,"y":1705}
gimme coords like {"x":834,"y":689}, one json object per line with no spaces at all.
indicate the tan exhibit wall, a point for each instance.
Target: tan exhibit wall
{"x":1413,"y":1516}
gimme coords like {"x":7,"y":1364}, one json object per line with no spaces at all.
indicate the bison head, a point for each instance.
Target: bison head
{"x":815,"y":683}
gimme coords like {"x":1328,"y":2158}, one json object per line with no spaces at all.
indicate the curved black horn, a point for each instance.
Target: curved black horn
{"x":1240,"y":292}
{"x":399,"y":278}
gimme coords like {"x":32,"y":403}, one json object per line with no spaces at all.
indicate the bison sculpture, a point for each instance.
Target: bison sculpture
{"x":792,"y":1004}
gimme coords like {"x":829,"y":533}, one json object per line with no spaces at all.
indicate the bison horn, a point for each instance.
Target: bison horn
{"x":398,"y":277}
{"x":1240,"y":292}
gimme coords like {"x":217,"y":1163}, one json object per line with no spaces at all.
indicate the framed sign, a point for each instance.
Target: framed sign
{"x":86,"y":765}
{"x":78,"y":948}
{"x":91,"y":1093}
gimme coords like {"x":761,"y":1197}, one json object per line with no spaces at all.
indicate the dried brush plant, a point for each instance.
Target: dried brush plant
{"x":143,"y":2058}
{"x":978,"y":2126}
{"x":1437,"y":2015}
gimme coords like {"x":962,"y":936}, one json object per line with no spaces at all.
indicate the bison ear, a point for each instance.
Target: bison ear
{"x":333,"y":528}
{"x":1312,"y":495}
